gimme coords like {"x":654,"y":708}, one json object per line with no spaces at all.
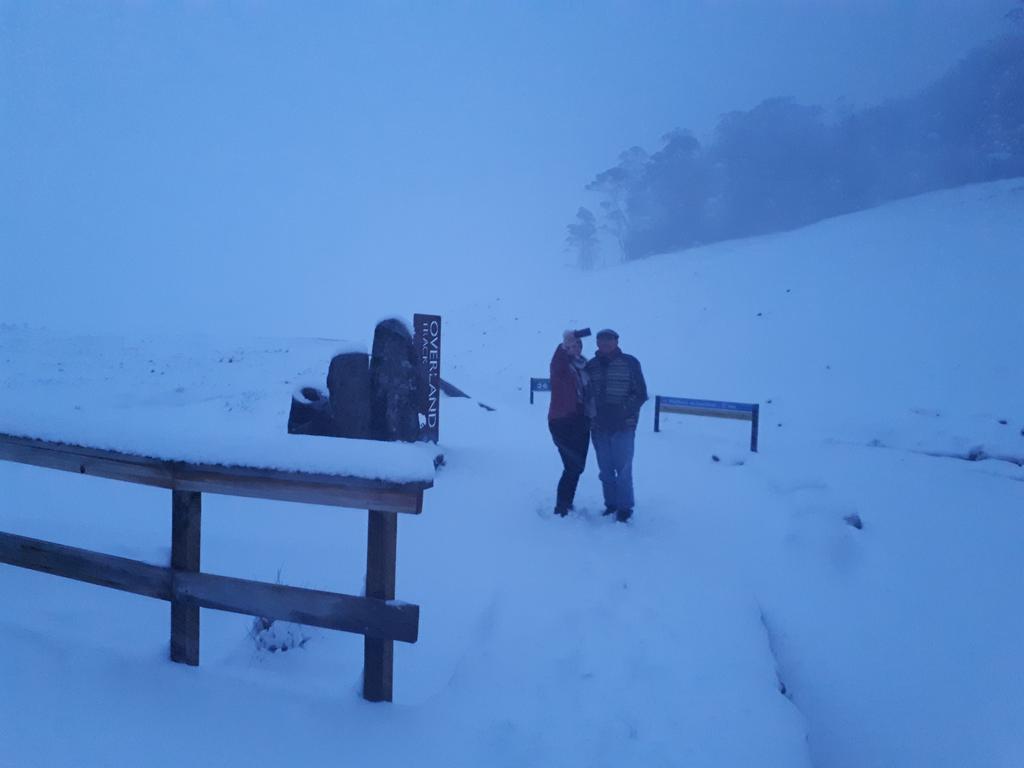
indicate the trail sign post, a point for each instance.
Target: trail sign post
{"x":539,"y":385}
{"x":714,"y":408}
{"x":717,"y":409}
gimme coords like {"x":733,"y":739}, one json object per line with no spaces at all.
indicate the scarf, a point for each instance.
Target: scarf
{"x":579,"y":365}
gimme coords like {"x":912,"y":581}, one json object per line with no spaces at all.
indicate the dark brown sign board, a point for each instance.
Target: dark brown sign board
{"x":428,"y":350}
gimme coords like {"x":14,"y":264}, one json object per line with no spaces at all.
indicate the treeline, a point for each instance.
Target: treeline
{"x":782,"y":165}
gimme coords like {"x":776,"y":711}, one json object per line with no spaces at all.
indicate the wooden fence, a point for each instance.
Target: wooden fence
{"x":376,"y":615}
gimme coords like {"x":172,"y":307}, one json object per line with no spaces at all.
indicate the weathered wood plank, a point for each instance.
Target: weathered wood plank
{"x":381,"y":557}
{"x":381,"y":554}
{"x":409,"y":502}
{"x":346,"y":613}
{"x":84,"y":565}
{"x":186,"y":537}
{"x":378,"y":669}
{"x":86,"y":461}
{"x":306,"y":487}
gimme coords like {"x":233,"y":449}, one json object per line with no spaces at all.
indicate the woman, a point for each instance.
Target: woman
{"x":567,"y":420}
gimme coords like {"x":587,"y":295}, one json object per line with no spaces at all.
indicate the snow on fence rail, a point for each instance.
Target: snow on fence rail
{"x":377,"y":616}
{"x":715,"y":408}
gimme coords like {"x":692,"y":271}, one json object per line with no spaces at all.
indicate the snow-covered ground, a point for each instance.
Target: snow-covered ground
{"x":739,"y":620}
{"x":197,"y":399}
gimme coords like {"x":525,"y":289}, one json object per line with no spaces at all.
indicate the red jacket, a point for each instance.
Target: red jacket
{"x":564,"y":394}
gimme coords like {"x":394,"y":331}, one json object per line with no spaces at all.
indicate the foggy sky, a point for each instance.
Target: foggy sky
{"x":188,"y":165}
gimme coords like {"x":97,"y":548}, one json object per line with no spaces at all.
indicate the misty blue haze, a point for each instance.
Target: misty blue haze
{"x":211,"y":155}
{"x":202,"y":203}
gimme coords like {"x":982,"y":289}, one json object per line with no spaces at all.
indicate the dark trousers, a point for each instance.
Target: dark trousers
{"x":572,"y":439}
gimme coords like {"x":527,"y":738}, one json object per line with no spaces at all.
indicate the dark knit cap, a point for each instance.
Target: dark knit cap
{"x":607,"y":333}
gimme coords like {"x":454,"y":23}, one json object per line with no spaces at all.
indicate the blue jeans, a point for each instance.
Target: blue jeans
{"x":615,"y":459}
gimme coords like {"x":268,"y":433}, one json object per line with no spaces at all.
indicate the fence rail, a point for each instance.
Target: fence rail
{"x":376,"y":615}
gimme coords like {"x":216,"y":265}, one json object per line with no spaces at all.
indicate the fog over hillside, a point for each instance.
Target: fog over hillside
{"x":249,"y":161}
{"x":783,"y":164}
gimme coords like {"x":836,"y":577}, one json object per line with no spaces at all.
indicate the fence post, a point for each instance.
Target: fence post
{"x":531,"y":391}
{"x":381,"y":555}
{"x":186,"y":528}
{"x":753,"y":427}
{"x":657,"y":413}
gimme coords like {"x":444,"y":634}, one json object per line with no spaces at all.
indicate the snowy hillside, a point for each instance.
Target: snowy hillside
{"x":846,"y":598}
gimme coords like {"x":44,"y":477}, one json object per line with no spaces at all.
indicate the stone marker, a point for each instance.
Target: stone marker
{"x":310,"y":413}
{"x":348,"y":381}
{"x":394,"y":383}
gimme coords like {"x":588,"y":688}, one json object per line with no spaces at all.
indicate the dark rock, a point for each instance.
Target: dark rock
{"x":1004,"y":422}
{"x":976,"y":454}
{"x":310,"y":413}
{"x":394,"y":384}
{"x":715,"y":458}
{"x":451,"y":390}
{"x":348,"y":380}
{"x":854,"y":521}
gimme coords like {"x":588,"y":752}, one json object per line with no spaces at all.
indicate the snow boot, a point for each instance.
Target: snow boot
{"x":623,"y":515}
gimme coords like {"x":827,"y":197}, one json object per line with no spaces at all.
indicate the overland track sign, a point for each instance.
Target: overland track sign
{"x":428,"y":350}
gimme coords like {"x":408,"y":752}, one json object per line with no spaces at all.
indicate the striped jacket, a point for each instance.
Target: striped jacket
{"x":617,"y":390}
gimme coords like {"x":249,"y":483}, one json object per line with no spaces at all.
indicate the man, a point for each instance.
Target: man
{"x":617,"y":391}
